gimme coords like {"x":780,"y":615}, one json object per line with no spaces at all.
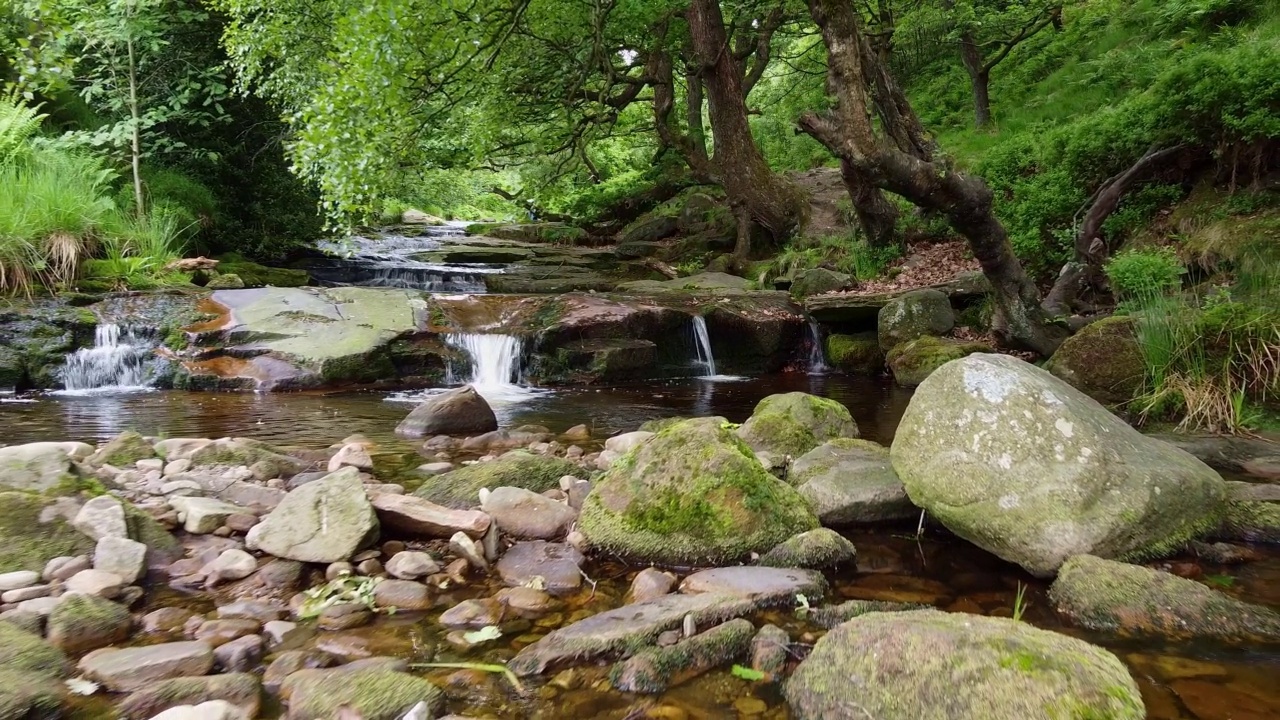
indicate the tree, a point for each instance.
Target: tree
{"x":987,"y":31}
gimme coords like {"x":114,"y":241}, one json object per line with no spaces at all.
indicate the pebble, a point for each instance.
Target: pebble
{"x":62,"y":568}
{"x":465,"y":548}
{"x":229,"y":565}
{"x":337,"y":570}
{"x":221,"y":632}
{"x":27,"y":593}
{"x":96,"y":582}
{"x":241,"y":522}
{"x":279,"y":573}
{"x":650,"y":583}
{"x":166,"y":620}
{"x":18,"y":580}
{"x":369,"y":568}
{"x":391,"y":547}
{"x":473,"y":614}
{"x":177,"y":466}
{"x":402,"y":594}
{"x":344,"y":617}
{"x":411,"y":565}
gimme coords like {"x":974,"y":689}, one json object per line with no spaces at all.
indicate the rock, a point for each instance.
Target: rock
{"x":231,"y":564}
{"x":830,"y":616}
{"x":418,"y":517}
{"x":64,"y":568}
{"x":1117,"y":597}
{"x":763,"y":586}
{"x":913,"y":361}
{"x":122,"y":451}
{"x":21,"y":651}
{"x":770,"y":651}
{"x":212,"y":710}
{"x":473,"y":614}
{"x":282,"y":635}
{"x":244,"y":452}
{"x":24,"y":620}
{"x":626,"y":442}
{"x":457,"y":412}
{"x":460,"y":488}
{"x":29,"y":695}
{"x":848,"y":482}
{"x":402,"y":594}
{"x":121,"y":556}
{"x":820,"y":280}
{"x":693,"y":494}
{"x":466,"y":549}
{"x":411,"y":565}
{"x":18,"y":579}
{"x":1223,"y":553}
{"x":653,"y":670}
{"x":27,"y":593}
{"x":952,"y":665}
{"x":527,"y":602}
{"x":1027,"y":467}
{"x":352,"y":455}
{"x":35,"y":467}
{"x":556,"y":564}
{"x":202,"y":516}
{"x":33,"y":531}
{"x":818,"y":549}
{"x":370,"y":694}
{"x":96,"y":582}
{"x":418,"y":217}
{"x":226,"y":281}
{"x":101,"y":517}
{"x":324,"y":521}
{"x":913,"y":315}
{"x":138,"y":667}
{"x":174,"y":449}
{"x":175,"y":467}
{"x":1103,"y":360}
{"x":285,"y":574}
{"x":1250,"y":521}
{"x":222,"y":631}
{"x":291,"y":661}
{"x":528,"y":515}
{"x":436,"y":468}
{"x":344,"y":617}
{"x":166,"y":620}
{"x":81,"y":623}
{"x":650,"y":583}
{"x":241,"y":690}
{"x":855,"y":354}
{"x":240,"y":655}
{"x":613,"y":633}
{"x":795,"y":423}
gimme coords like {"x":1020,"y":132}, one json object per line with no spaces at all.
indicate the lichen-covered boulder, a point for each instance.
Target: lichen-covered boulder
{"x":123,"y":451}
{"x":372,"y":694}
{"x":461,"y":488}
{"x":914,"y":314}
{"x":818,"y":281}
{"x":855,"y":354}
{"x":323,"y":521}
{"x":38,"y":467}
{"x":931,"y":665}
{"x":819,"y":549}
{"x":1027,"y":467}
{"x":1121,"y":598}
{"x":848,"y":481}
{"x":1103,"y":360}
{"x":32,"y":533}
{"x":86,"y":622}
{"x":695,"y":493}
{"x":247,"y":452}
{"x":913,"y":361}
{"x":456,"y":412}
{"x":795,"y":423}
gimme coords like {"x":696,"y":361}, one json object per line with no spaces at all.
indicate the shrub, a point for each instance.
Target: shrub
{"x":847,"y":253}
{"x":1136,"y":274}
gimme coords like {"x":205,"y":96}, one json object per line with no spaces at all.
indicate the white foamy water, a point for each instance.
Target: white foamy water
{"x":817,"y":358}
{"x":495,"y":369}
{"x":119,"y":361}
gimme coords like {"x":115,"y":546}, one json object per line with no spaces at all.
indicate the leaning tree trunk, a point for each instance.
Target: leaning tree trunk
{"x":756,"y":194}
{"x":979,"y":78}
{"x":965,"y":201}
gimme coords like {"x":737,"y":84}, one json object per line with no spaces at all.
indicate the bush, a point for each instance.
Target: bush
{"x":1136,"y":274}
{"x":848,"y":253}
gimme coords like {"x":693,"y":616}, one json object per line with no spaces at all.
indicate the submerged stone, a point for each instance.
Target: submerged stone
{"x":816,"y":549}
{"x":795,"y":423}
{"x":931,"y":665}
{"x":763,"y":586}
{"x":653,"y":670}
{"x":552,"y":566}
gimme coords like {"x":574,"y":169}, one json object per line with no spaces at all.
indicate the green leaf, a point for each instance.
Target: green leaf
{"x":484,"y":634}
{"x":749,"y":674}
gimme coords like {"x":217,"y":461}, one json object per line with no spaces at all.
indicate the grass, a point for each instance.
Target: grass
{"x":1020,"y":603}
{"x":847,"y":253}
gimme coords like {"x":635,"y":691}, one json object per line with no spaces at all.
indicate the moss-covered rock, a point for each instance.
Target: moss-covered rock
{"x":855,"y":354}
{"x":1103,"y":360}
{"x":912,"y":315}
{"x":123,"y":451}
{"x":913,"y":361}
{"x":1121,"y":598}
{"x":240,"y":689}
{"x":81,"y":623}
{"x":461,"y":488}
{"x":246,"y":452}
{"x":35,"y":467}
{"x":795,"y":423}
{"x":695,"y":493}
{"x":30,"y":537}
{"x":372,"y":694}
{"x":930,"y":665}
{"x":253,"y":275}
{"x":830,"y":616}
{"x":816,"y":549}
{"x":818,"y":281}
{"x":226,"y":281}
{"x":323,"y":521}
{"x":654,"y":670}
{"x":12,"y":368}
{"x":24,"y":651}
{"x":849,"y":481}
{"x":1022,"y":464}
{"x":162,"y":547}
{"x":1250,"y":521}
{"x":29,"y":695}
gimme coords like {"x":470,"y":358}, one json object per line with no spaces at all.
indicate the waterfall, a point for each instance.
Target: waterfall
{"x":703,"y":345}
{"x":817,"y":358}
{"x":495,"y":362}
{"x":120,"y":361}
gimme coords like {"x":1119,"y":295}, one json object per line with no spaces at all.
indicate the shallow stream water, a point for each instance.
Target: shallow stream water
{"x":1179,"y":680}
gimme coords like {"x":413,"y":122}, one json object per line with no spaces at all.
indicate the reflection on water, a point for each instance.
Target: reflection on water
{"x":317,"y":419}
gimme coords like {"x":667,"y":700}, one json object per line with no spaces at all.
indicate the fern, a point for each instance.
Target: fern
{"x":18,"y":123}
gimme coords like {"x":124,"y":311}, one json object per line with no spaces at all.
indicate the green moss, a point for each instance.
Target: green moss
{"x":859,"y":354}
{"x":461,"y":487}
{"x":123,"y":450}
{"x":547,"y":316}
{"x":357,"y":368}
{"x":87,"y":622}
{"x":23,"y":651}
{"x":145,"y":529}
{"x":833,"y":615}
{"x":29,"y":695}
{"x":653,"y":670}
{"x":1103,"y":360}
{"x":254,"y":275}
{"x":915,"y":360}
{"x":27,"y":543}
{"x":1250,"y":521}
{"x":371,"y":694}
{"x":795,"y":423}
{"x":816,"y":549}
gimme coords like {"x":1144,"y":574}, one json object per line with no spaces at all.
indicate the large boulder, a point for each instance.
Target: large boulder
{"x":1022,"y":464}
{"x":461,"y":488}
{"x":33,"y":532}
{"x":912,"y":315}
{"x":85,"y":622}
{"x":931,"y":665}
{"x":323,"y":521}
{"x":849,"y":481}
{"x":913,"y":361}
{"x":857,"y":354}
{"x":1103,"y":360}
{"x":1137,"y":601}
{"x":795,"y":423}
{"x":818,"y":281}
{"x":38,"y":467}
{"x":695,"y":493}
{"x":123,"y":451}
{"x":457,"y":412}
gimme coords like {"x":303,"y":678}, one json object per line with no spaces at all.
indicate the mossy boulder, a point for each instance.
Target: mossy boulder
{"x":1120,"y":598}
{"x":848,"y":481}
{"x":254,"y":275}
{"x":931,"y":665}
{"x":913,"y":361}
{"x":32,"y":533}
{"x":461,"y":488}
{"x":1103,"y":360}
{"x":1027,"y":467}
{"x":123,"y":451}
{"x":1250,"y":521}
{"x":818,"y":281}
{"x":226,"y":281}
{"x":81,"y":623}
{"x":818,"y":549}
{"x":29,"y":695}
{"x":795,"y":423}
{"x":912,"y":315}
{"x":653,"y":670}
{"x":36,"y":467}
{"x":371,"y":694}
{"x":247,"y":452}
{"x":695,"y":493}
{"x":855,"y":354}
{"x":23,"y":651}
{"x":240,"y":689}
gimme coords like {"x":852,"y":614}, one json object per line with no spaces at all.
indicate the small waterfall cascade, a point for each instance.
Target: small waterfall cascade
{"x":702,"y":343}
{"x":817,"y":357}
{"x":495,"y":367}
{"x":119,"y":361}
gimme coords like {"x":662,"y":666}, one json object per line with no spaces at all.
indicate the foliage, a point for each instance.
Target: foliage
{"x":847,"y":253}
{"x":745,"y":673}
{"x":18,"y":124}
{"x":1136,"y":274}
{"x":1020,"y":604}
{"x":343,"y":590}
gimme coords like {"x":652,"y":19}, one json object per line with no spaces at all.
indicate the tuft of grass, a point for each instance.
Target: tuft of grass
{"x":1020,"y":603}
{"x":848,"y":253}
